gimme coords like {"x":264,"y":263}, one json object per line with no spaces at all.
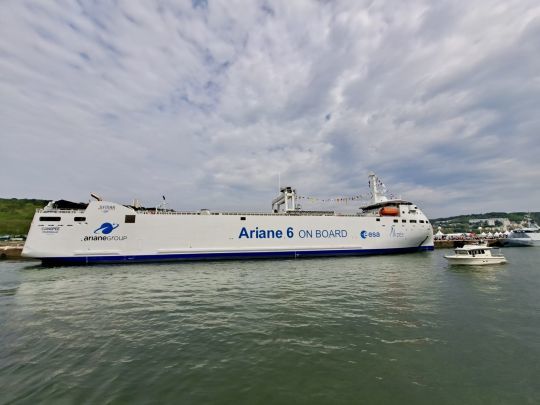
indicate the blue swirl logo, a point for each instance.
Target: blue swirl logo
{"x":363,"y":234}
{"x":106,"y":228}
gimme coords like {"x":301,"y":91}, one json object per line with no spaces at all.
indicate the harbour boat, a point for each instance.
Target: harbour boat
{"x":479,"y":254}
{"x":529,"y":235}
{"x":107,"y":232}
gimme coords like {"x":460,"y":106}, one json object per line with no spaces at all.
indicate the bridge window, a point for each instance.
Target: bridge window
{"x":130,"y":219}
{"x":52,"y":219}
{"x":79,"y":219}
{"x":242,"y":218}
{"x":413,"y":221}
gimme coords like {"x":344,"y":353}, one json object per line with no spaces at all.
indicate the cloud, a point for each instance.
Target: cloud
{"x":208,"y":102}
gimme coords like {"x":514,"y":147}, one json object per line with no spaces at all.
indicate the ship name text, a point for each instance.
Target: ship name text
{"x":291,"y":233}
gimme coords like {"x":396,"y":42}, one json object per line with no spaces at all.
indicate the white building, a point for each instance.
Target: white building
{"x":489,"y":221}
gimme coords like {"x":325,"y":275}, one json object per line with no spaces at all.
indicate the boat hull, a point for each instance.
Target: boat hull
{"x":521,"y":242}
{"x":78,"y":260}
{"x":474,"y":261}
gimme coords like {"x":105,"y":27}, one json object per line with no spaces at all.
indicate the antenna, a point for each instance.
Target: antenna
{"x":163,"y":205}
{"x":279,"y":181}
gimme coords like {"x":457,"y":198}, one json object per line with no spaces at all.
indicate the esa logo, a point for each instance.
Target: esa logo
{"x":366,"y":234}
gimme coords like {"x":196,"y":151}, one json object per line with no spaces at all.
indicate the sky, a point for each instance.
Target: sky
{"x":211,"y":102}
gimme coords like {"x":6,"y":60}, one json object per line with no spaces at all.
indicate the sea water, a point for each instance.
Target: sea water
{"x":376,"y":330}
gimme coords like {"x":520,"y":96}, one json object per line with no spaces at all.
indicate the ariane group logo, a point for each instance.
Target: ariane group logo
{"x":106,"y":228}
{"x":103,"y":233}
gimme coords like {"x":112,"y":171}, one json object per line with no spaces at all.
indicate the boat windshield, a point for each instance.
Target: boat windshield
{"x":471,"y":252}
{"x":522,"y":234}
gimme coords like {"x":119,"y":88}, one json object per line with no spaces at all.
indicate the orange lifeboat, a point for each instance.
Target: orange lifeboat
{"x":389,"y":211}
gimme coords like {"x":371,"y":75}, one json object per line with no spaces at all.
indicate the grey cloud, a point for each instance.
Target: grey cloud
{"x":208,"y":101}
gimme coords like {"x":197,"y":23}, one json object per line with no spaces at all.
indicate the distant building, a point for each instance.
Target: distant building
{"x":490,"y":221}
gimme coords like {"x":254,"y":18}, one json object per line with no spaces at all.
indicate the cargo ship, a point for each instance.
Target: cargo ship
{"x":107,"y":232}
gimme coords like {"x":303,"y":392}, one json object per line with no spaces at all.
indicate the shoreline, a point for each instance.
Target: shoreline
{"x":11,"y":251}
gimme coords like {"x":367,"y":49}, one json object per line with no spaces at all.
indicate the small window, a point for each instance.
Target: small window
{"x":403,"y":220}
{"x":242,"y":218}
{"x":52,"y":219}
{"x":79,"y":219}
{"x":130,"y":219}
{"x":421,"y":221}
{"x":413,"y":221}
{"x":378,"y":219}
{"x":395,"y":220}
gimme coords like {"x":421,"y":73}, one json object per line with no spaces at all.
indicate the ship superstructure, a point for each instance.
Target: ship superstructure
{"x":108,"y":232}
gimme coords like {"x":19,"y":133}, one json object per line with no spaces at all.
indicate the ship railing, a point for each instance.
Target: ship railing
{"x":158,"y":212}
{"x":58,"y":211}
{"x":162,"y":212}
{"x":279,"y":214}
{"x":496,"y":252}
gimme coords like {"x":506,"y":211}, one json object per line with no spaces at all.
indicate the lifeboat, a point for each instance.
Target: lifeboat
{"x":389,"y":211}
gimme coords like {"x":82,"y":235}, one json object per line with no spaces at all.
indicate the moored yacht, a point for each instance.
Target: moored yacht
{"x":528,"y":235}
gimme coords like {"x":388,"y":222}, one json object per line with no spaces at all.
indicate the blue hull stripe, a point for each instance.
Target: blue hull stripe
{"x":227,"y":255}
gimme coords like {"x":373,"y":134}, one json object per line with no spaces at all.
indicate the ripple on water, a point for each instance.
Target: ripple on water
{"x":329,"y":330}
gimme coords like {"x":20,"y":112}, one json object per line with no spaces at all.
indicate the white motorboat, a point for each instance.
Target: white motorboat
{"x":528,"y":235}
{"x":475,"y":255}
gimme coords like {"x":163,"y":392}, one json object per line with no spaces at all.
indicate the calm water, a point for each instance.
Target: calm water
{"x":376,"y":330}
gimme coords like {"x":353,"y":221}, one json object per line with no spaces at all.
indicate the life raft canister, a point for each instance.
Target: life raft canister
{"x":389,"y":211}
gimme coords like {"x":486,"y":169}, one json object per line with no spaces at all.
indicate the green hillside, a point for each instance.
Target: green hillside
{"x":461,"y":223}
{"x":16,"y":215}
{"x":512,"y":216}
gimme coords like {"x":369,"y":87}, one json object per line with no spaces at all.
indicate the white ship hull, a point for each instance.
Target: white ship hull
{"x":107,"y":232}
